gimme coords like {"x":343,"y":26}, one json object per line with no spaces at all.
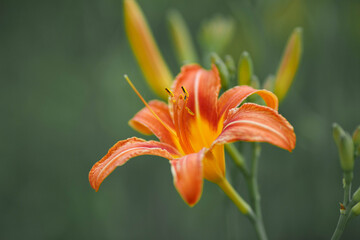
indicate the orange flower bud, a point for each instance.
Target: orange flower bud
{"x":145,"y":49}
{"x":289,"y":64}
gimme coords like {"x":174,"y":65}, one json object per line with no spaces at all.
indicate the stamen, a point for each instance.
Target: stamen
{"x":186,"y":96}
{"x":185,"y":92}
{"x":169,"y":92}
{"x":189,"y":111}
{"x":147,"y":105}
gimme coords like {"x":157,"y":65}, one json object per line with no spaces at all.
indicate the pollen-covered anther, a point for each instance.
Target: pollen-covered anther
{"x":186,"y":98}
{"x":190,"y":112}
{"x":185,"y":92}
{"x":171,"y":94}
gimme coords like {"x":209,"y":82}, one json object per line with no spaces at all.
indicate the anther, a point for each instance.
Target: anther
{"x":147,"y":105}
{"x":190,"y":112}
{"x":169,"y":92}
{"x":185,"y":92}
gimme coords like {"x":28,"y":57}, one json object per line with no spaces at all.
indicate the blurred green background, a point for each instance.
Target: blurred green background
{"x":64,"y":103}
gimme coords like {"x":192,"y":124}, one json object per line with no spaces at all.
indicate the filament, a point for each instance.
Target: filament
{"x":147,"y":105}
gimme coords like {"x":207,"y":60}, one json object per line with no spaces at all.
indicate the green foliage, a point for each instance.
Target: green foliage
{"x":62,"y":106}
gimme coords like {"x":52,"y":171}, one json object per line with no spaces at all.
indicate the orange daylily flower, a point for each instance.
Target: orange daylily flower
{"x":193,"y":128}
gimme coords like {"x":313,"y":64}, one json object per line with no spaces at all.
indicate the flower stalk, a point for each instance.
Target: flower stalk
{"x":251,"y":178}
{"x":345,"y":216}
{"x":240,"y":203}
{"x":244,"y":208}
{"x":238,"y":158}
{"x":346,"y":154}
{"x":254,"y":190}
{"x":346,"y":207}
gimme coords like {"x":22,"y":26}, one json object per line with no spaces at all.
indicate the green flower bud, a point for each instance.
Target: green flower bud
{"x":356,"y":140}
{"x":269,"y":83}
{"x":255,"y":83}
{"x":216,"y":34}
{"x":181,"y":38}
{"x":345,"y":147}
{"x":346,"y":151}
{"x":356,"y":209}
{"x":230,"y":64}
{"x":223,"y":70}
{"x":356,"y":196}
{"x":245,"y":69}
{"x":338,"y":132}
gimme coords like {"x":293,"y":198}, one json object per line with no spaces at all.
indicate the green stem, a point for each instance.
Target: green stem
{"x":251,"y":178}
{"x":254,"y":191}
{"x":348,"y":176}
{"x":243,"y":207}
{"x":237,"y":158}
{"x":240,"y":203}
{"x":345,"y":215}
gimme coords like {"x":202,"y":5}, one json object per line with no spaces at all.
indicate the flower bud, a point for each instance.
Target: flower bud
{"x":230,"y":64}
{"x":356,"y":209}
{"x":338,"y":132}
{"x":145,"y":49}
{"x":216,"y":34}
{"x":245,"y":69}
{"x":345,"y":147}
{"x":222,"y":68}
{"x":346,"y":151}
{"x":356,"y":140}
{"x":255,"y":83}
{"x":181,"y":38}
{"x":269,"y":83}
{"x":289,"y":64}
{"x":356,"y":196}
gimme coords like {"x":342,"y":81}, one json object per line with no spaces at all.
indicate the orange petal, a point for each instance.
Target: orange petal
{"x":235,"y":96}
{"x":203,"y":87}
{"x":188,"y":176}
{"x":146,"y":123}
{"x":194,"y":107}
{"x":122,"y":151}
{"x":255,"y":123}
{"x":214,"y":164}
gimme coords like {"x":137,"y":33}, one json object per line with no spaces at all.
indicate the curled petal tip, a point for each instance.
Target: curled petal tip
{"x":255,"y":123}
{"x":124,"y":150}
{"x":188,"y":177}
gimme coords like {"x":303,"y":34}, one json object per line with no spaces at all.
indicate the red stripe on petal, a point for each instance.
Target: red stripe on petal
{"x":255,"y":123}
{"x":194,"y":107}
{"x":203,"y":87}
{"x":122,"y":151}
{"x":235,"y":96}
{"x":188,"y":176}
{"x":146,"y":123}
